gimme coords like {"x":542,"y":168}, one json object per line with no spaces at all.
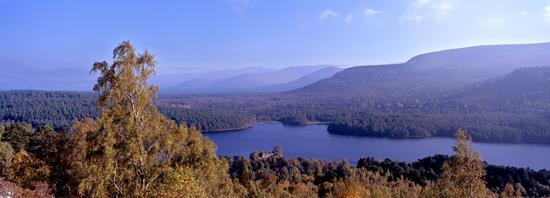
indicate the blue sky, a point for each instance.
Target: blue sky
{"x":215,"y":34}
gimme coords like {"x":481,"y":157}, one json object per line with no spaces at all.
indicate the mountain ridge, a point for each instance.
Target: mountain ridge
{"x":271,"y":81}
{"x":433,"y":71}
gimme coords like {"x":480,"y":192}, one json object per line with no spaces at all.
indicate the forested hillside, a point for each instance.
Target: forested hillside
{"x":41,"y":107}
{"x":62,"y":109}
{"x":513,"y":108}
{"x":432,"y":72}
{"x":526,"y":89}
{"x":494,"y":123}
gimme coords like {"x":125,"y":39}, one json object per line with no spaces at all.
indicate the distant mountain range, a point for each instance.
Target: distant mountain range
{"x":267,"y":81}
{"x":436,"y":71}
{"x":305,"y":80}
{"x":250,"y":79}
{"x":8,"y":81}
{"x":57,"y":79}
{"x":172,"y":79}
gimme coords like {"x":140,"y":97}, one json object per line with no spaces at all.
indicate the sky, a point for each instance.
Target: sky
{"x":227,"y":34}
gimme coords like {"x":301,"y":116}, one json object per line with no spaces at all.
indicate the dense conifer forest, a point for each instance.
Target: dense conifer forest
{"x":61,"y":109}
{"x":352,"y":117}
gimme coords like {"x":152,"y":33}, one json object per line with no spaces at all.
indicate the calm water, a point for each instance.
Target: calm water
{"x":315,"y":142}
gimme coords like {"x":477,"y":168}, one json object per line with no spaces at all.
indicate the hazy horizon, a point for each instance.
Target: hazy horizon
{"x":231,"y":34}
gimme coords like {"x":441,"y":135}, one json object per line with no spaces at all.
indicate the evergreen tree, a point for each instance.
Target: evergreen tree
{"x":135,"y":151}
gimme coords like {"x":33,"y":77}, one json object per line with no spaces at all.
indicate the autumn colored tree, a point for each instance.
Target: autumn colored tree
{"x":464,"y":175}
{"x":50,"y":147}
{"x":43,"y":143}
{"x":133,"y":150}
{"x":513,"y":191}
{"x":17,"y":135}
{"x":26,"y":170}
{"x":28,"y":177}
{"x":6,"y":153}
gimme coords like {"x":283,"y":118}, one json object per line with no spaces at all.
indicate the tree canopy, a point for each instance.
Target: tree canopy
{"x":464,"y":175}
{"x":133,"y":150}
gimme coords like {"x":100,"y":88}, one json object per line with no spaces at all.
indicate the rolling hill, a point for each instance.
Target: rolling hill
{"x":55,"y":79}
{"x":8,"y":81}
{"x":272,"y":81}
{"x":172,"y":79}
{"x":432,"y":72}
{"x":525,"y":89}
{"x":310,"y":78}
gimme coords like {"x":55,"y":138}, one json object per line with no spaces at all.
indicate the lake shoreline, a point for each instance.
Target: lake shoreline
{"x":367,"y":135}
{"x":313,"y":141}
{"x":264,"y":122}
{"x":230,"y":130}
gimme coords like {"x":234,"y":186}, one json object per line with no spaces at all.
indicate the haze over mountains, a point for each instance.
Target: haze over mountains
{"x":525,"y":88}
{"x":13,"y":78}
{"x":265,"y":81}
{"x":250,"y":79}
{"x":436,"y":71}
{"x":172,"y":79}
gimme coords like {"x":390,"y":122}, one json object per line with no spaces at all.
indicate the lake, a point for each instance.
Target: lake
{"x":313,"y":141}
